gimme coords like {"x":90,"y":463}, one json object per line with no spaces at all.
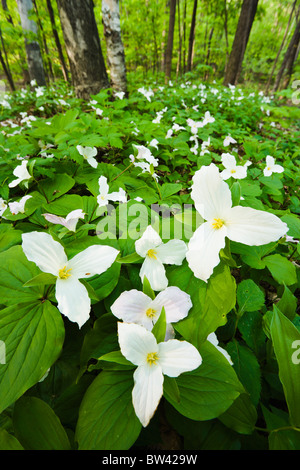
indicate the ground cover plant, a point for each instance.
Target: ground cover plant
{"x":149,"y":269}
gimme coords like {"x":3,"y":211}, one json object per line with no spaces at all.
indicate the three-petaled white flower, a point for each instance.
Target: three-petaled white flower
{"x":104,"y":196}
{"x":136,"y":307}
{"x":70,"y":221}
{"x":21,"y":173}
{"x":88,"y":154}
{"x":17,"y":207}
{"x":156,"y":254}
{"x":49,"y":255}
{"x":153,"y":361}
{"x":228,"y":140}
{"x":271,"y":167}
{"x":231,"y":168}
{"x":212,"y":198}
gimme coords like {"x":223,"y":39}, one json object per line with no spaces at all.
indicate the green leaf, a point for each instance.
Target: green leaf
{"x":288,"y":304}
{"x":235,"y":193}
{"x":41,"y":279}
{"x":168,"y":189}
{"x":286,"y":343}
{"x":159,"y":329}
{"x":171,"y":388}
{"x":283,"y":271}
{"x":52,"y":188}
{"x":208,"y":391}
{"x":107,"y":420}
{"x":37,"y":427}
{"x":9,"y":442}
{"x":33,"y":334}
{"x":284,"y":439}
{"x":116,"y":356}
{"x":104,"y":284}
{"x":249,"y":297}
{"x":147,"y":289}
{"x":15,"y":271}
{"x":133,"y":258}
{"x":9,"y":237}
{"x":241,"y":416}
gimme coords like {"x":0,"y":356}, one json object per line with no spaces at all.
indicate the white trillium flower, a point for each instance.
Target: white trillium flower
{"x":70,"y":221}
{"x":154,"y":143}
{"x":3,"y":206}
{"x":21,"y":173}
{"x":136,"y":307}
{"x":145,"y":154}
{"x":228,"y":140}
{"x":212,"y":198}
{"x":88,"y":154}
{"x":231,"y":168}
{"x":17,"y":207}
{"x":120,"y":94}
{"x":156,"y":254}
{"x":104,"y":195}
{"x":153,"y":361}
{"x":271,"y":167}
{"x":49,"y":255}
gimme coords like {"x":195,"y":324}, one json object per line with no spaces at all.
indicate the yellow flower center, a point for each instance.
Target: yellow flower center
{"x":151,"y":253}
{"x":269,"y":168}
{"x":150,"y":313}
{"x":233,"y":171}
{"x":64,"y":273}
{"x":152,"y":358}
{"x":218,"y":223}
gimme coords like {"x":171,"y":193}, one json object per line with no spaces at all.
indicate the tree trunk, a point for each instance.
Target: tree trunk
{"x":114,"y":45}
{"x":83,"y":47}
{"x":240,"y":41}
{"x":33,"y":51}
{"x":280,"y":48}
{"x":192,"y":37}
{"x":179,"y":65}
{"x":7,"y":72}
{"x":46,"y":50}
{"x":289,"y":59}
{"x":57,"y":41}
{"x":169,"y":49}
{"x":5,"y":8}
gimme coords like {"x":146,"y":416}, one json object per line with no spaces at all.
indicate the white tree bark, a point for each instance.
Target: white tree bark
{"x":33,"y":51}
{"x":114,"y":44}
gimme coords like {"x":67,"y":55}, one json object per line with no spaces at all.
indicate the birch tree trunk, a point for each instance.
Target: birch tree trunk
{"x":240,"y":41}
{"x":57,"y":41}
{"x":114,"y":45}
{"x":289,"y":59}
{"x":33,"y":51}
{"x":83,"y":47}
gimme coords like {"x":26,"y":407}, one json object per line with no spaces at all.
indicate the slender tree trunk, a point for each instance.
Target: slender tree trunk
{"x":7,"y":72}
{"x":169,"y":49}
{"x":83,"y":47}
{"x":5,"y":8}
{"x":33,"y":51}
{"x":192,"y":37}
{"x":184,"y":37}
{"x":114,"y":45}
{"x":57,"y":42}
{"x":280,"y":48}
{"x":49,"y":64}
{"x":226,"y":31}
{"x":240,"y":41}
{"x":289,"y":59}
{"x":179,"y":65}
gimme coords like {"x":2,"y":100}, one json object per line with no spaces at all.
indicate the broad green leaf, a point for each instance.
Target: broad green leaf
{"x":147,"y":289}
{"x":33,"y":334}
{"x":286,"y":343}
{"x":249,"y":297}
{"x":288,"y":304}
{"x":116,"y":356}
{"x":283,"y":270}
{"x":284,"y":439}
{"x":41,"y":279}
{"x":241,"y":416}
{"x":9,"y":236}
{"x":159,"y":329}
{"x":107,"y":420}
{"x":52,"y":188}
{"x":9,"y":442}
{"x":37,"y":427}
{"x":208,"y":391}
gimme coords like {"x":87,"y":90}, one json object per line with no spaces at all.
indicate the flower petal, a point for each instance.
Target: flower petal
{"x":46,"y":253}
{"x":103,"y":186}
{"x":95,"y":259}
{"x":211,"y":195}
{"x":254,"y":227}
{"x":176,"y":357}
{"x":155,"y":272}
{"x":172,"y":252}
{"x":175,"y":302}
{"x":131,"y":307}
{"x":149,"y":239}
{"x":203,"y":250}
{"x":147,"y":391}
{"x":73,"y":300}
{"x":136,"y":342}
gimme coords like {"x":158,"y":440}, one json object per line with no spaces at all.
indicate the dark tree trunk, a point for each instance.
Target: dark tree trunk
{"x":289,"y":59}
{"x":192,"y":37}
{"x":57,"y":42}
{"x":169,"y":49}
{"x":46,"y":50}
{"x":240,"y":41}
{"x":7,"y":72}
{"x":83,"y":47}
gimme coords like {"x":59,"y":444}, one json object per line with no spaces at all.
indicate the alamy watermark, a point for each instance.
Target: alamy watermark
{"x":296,"y":354}
{"x":296,"y":95}
{"x":2,"y":352}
